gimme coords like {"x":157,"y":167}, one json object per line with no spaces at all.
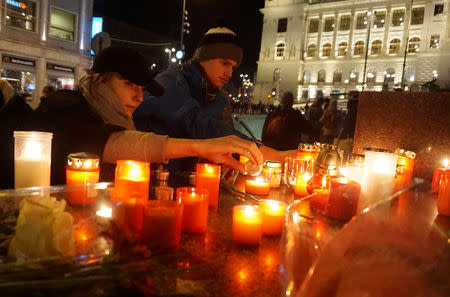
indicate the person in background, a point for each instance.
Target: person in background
{"x":7,"y":91}
{"x":284,"y":126}
{"x":46,"y":91}
{"x":348,"y":130}
{"x":313,"y":115}
{"x":193,"y":104}
{"x":97,"y":119}
{"x":329,"y":120}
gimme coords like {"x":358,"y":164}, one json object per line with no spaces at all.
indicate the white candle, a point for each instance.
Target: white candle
{"x":32,"y":157}
{"x":378,"y":178}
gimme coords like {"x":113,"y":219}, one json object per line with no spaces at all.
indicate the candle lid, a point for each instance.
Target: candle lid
{"x":404,"y":153}
{"x":83,"y":160}
{"x":329,"y":160}
{"x":307,"y":147}
{"x":363,"y":150}
{"x":272,"y":164}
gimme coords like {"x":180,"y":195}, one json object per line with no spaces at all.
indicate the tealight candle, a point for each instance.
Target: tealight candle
{"x":32,"y":158}
{"x":308,"y":151}
{"x":437,"y":176}
{"x":247,"y":221}
{"x":162,"y":224}
{"x":257,"y":186}
{"x":303,"y":173}
{"x":82,"y":169}
{"x":132,"y":180}
{"x":444,"y":194}
{"x":378,"y":178}
{"x":319,"y":201}
{"x":207,"y":176}
{"x":195,"y":209}
{"x":343,"y":198}
{"x":272,"y":216}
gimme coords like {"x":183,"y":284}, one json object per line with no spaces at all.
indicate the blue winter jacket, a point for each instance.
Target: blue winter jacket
{"x":182,"y":111}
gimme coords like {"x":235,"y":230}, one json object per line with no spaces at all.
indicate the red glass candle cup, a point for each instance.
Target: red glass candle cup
{"x":342,"y":202}
{"x":207,"y":176}
{"x":82,"y":169}
{"x":444,"y":194}
{"x":132,"y":180}
{"x":195,"y":209}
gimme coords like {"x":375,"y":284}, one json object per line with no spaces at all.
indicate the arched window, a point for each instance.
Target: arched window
{"x":376,"y":47}
{"x":321,"y":76}
{"x":279,"y":50}
{"x":326,"y":50}
{"x":394,"y":46}
{"x":359,"y":48}
{"x":414,"y":45}
{"x":337,"y":77}
{"x":306,"y":77}
{"x":353,"y":77}
{"x":342,"y":49}
{"x":311,"y":51}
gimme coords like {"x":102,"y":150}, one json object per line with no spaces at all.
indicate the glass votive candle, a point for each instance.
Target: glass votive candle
{"x":195,"y":209}
{"x":272,"y":173}
{"x":405,"y":168}
{"x":32,"y":159}
{"x":162,"y":222}
{"x":343,"y":198}
{"x":308,"y":151}
{"x":247,"y":222}
{"x":257,"y":186}
{"x":132,"y":180}
{"x":207,"y":176}
{"x":127,"y":216}
{"x":82,"y":169}
{"x":163,"y":193}
{"x":444,"y":194}
{"x":272,"y":216}
{"x":304,"y":170}
{"x":437,"y":176}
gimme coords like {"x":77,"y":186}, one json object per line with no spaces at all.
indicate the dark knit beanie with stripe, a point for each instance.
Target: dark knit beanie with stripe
{"x":219,"y":42}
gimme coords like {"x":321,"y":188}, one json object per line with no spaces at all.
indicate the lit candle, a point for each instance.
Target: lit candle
{"x":32,"y":158}
{"x":207,"y":176}
{"x":257,"y":186}
{"x":162,"y":224}
{"x":378,"y":178}
{"x":272,"y":216}
{"x":342,"y":201}
{"x":405,"y":168}
{"x":243,"y":159}
{"x":354,"y":168}
{"x":272,"y":173}
{"x":444,"y":194}
{"x":195,"y":209}
{"x":128,"y":216}
{"x":132,"y":180}
{"x":437,"y":176}
{"x":308,"y":151}
{"x":319,"y":201}
{"x":247,"y":221}
{"x":303,"y":173}
{"x":82,"y":169}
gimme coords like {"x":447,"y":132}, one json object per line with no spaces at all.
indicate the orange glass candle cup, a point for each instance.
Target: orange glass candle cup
{"x":404,"y":170}
{"x":303,"y":173}
{"x":257,"y":186}
{"x":308,"y":151}
{"x":128,"y":215}
{"x":162,"y":221}
{"x":437,"y":176}
{"x":342,"y":202}
{"x":319,"y":201}
{"x":82,"y":169}
{"x":207,"y":176}
{"x":132,"y":180}
{"x":272,"y":173}
{"x":444,"y":194}
{"x":195,"y":209}
{"x":247,"y":222}
{"x":272,"y":216}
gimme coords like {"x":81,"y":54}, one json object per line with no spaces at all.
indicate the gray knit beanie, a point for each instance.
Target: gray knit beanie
{"x":219,"y":42}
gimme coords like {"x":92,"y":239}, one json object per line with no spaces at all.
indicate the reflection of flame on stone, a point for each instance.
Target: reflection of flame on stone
{"x":104,"y":211}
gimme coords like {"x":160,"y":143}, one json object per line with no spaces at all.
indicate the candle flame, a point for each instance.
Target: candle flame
{"x":249,"y":210}
{"x":33,"y":149}
{"x":135,"y":172}
{"x":324,"y":181}
{"x":259,"y":179}
{"x":104,"y":211}
{"x":445,"y":162}
{"x":344,"y":172}
{"x":209,"y":169}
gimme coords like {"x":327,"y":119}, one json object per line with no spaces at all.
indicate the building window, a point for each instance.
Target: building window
{"x":414,"y":45}
{"x":326,"y":50}
{"x":282,"y":25}
{"x":62,"y":24}
{"x":342,"y":49}
{"x":311,"y":51}
{"x":359,"y":48}
{"x":329,"y":25}
{"x":279,"y":50}
{"x":394,"y":46}
{"x":371,"y":77}
{"x":321,"y":76}
{"x":439,"y":9}
{"x":337,"y":77}
{"x":21,"y":15}
{"x":398,"y":18}
{"x":344,"y":24}
{"x":361,"y":21}
{"x":376,"y":47}
{"x":434,"y":41}
{"x":276,"y":74}
{"x":353,"y":78}
{"x":417,"y":16}
{"x":313,"y":26}
{"x":389,"y":77}
{"x":380,"y":18}
{"x":306,"y":76}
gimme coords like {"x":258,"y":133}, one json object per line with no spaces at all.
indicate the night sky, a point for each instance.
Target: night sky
{"x":164,"y":17}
